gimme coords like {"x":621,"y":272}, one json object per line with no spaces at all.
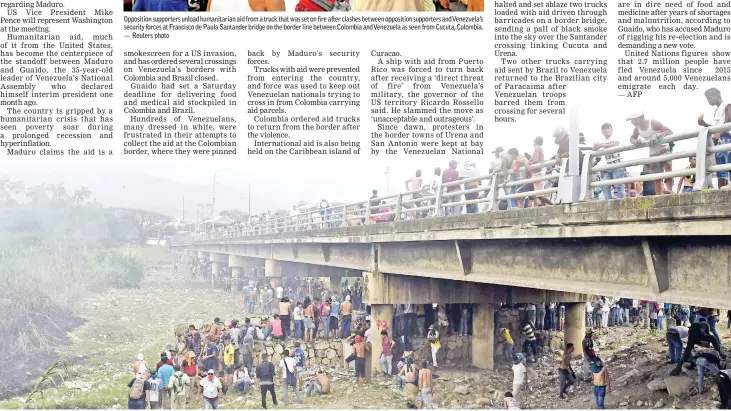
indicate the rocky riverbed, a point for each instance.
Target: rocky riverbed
{"x":120,"y":323}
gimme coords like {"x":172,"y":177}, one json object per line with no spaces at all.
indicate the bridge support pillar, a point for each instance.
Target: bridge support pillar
{"x":217,"y":261}
{"x":483,"y":336}
{"x":273,"y":271}
{"x":381,"y":319}
{"x":238,"y":269}
{"x":574,"y":327}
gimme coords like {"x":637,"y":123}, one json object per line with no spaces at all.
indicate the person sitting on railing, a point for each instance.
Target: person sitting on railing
{"x":449,"y":175}
{"x":722,"y":115}
{"x":496,"y":162}
{"x":470,"y":171}
{"x":654,"y":131}
{"x":685,"y":185}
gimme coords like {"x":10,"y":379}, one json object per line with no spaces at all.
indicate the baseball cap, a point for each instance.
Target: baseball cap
{"x":634,"y":115}
{"x":210,"y":372}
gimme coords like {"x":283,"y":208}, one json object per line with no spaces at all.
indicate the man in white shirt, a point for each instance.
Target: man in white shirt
{"x":520,"y":377}
{"x":280,"y":292}
{"x":212,"y":391}
{"x":288,"y":365}
{"x":612,"y":158}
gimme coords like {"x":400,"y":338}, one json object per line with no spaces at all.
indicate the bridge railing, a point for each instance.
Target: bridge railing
{"x":490,"y":189}
{"x":703,"y":171}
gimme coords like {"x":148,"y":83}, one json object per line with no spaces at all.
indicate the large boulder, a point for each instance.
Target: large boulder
{"x":461,"y":390}
{"x":679,"y":386}
{"x":657,"y":384}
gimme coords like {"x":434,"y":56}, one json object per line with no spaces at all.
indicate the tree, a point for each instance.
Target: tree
{"x":81,"y":195}
{"x":144,"y":222}
{"x":236,"y":215}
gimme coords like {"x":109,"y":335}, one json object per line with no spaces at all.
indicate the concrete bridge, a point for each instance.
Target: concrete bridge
{"x":673,"y":248}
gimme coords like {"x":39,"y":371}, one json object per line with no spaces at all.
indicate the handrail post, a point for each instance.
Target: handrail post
{"x":494,"y":193}
{"x":438,"y":212}
{"x":397,"y":217}
{"x":703,"y":159}
{"x":586,"y":179}
{"x":345,"y":212}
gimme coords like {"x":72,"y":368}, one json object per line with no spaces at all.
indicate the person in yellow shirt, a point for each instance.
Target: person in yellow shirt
{"x":433,"y":338}
{"x":507,"y":340}
{"x":229,"y":360}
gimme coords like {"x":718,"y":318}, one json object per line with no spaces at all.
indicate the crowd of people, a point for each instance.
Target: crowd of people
{"x":509,"y":167}
{"x":230,"y":6}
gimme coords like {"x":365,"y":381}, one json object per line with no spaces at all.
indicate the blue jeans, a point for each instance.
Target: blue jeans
{"x":615,"y":315}
{"x":704,"y":365}
{"x":252,"y":306}
{"x":345,"y":326}
{"x":599,"y":394}
{"x":612,"y":175}
{"x":723,"y":157}
{"x":540,"y":319}
{"x":552,"y":318}
{"x":712,"y":321}
{"x":299,"y":329}
{"x":464,"y":326}
{"x":210,"y":404}
{"x":513,"y":189}
{"x":675,"y":347}
{"x":326,"y":326}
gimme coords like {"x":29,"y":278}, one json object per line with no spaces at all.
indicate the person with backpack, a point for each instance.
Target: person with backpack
{"x":290,"y":376}
{"x":138,"y":393}
{"x":156,"y":389}
{"x":179,"y":383}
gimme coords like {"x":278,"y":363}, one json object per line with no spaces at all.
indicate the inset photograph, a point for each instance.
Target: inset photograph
{"x":323,"y":5}
{"x":419,"y":5}
{"x":221,"y":6}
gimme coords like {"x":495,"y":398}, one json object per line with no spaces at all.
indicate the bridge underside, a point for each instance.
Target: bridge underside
{"x":665,"y":248}
{"x":688,"y":270}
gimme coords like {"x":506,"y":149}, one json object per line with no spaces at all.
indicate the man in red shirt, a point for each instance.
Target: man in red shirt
{"x":386,"y":353}
{"x":190,"y":368}
{"x":164,"y":360}
{"x":449,"y":175}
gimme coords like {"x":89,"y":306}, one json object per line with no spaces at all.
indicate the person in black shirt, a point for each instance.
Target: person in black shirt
{"x":697,"y":333}
{"x":265,"y":379}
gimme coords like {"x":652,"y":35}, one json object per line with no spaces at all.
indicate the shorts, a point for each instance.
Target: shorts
{"x":228,"y":369}
{"x":309,"y":323}
{"x":525,"y":188}
{"x":723,"y":157}
{"x":333,"y":323}
{"x":360,"y":363}
{"x":659,"y":167}
{"x":300,"y":370}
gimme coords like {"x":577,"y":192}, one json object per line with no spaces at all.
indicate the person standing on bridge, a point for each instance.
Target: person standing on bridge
{"x":613,"y":158}
{"x":721,"y":116}
{"x":448,"y":176}
{"x":653,"y":131}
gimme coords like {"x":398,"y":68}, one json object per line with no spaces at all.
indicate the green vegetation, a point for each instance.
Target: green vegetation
{"x":55,"y":248}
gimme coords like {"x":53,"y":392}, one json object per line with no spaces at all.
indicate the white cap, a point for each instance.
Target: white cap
{"x":210,"y":372}
{"x":140,"y":357}
{"x":634,"y":115}
{"x":347,"y":298}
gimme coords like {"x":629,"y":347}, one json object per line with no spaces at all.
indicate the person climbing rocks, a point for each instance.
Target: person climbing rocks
{"x":697,"y":333}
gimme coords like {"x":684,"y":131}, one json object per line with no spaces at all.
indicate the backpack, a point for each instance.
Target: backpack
{"x":137,"y":390}
{"x":291,"y":379}
{"x":177,"y":383}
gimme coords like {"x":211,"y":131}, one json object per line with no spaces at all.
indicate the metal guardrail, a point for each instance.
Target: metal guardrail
{"x":489,"y":189}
